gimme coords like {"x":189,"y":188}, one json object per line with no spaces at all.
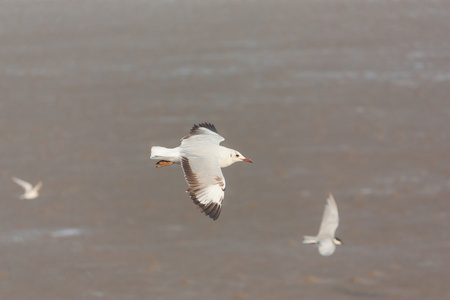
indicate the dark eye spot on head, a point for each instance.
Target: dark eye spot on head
{"x":237,"y":155}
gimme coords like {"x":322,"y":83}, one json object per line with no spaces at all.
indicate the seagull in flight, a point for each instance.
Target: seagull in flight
{"x":325,"y":239}
{"x":201,"y":158}
{"x":31,"y":192}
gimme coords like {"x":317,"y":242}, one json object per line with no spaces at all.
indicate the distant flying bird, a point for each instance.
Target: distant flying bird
{"x":325,"y":239}
{"x":31,"y":192}
{"x":201,"y":158}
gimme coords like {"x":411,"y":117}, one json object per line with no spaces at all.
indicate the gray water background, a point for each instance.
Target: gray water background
{"x":342,"y":96}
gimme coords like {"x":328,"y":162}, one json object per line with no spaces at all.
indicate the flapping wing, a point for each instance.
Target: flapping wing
{"x":206,"y":183}
{"x":203,"y":132}
{"x":27,"y":186}
{"x":38,"y":186}
{"x":330,"y":218}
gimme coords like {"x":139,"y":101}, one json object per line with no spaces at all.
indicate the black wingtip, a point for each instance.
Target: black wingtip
{"x":211,"y":210}
{"x":205,"y":125}
{"x":195,"y":129}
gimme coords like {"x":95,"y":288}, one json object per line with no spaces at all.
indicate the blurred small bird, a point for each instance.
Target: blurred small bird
{"x":325,"y":239}
{"x":31,"y":192}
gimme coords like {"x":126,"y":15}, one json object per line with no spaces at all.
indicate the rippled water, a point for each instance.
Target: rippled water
{"x":343,"y":96}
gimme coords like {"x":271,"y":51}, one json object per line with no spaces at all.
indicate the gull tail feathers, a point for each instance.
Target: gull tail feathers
{"x":166,"y":156}
{"x":307,"y":239}
{"x":170,"y":154}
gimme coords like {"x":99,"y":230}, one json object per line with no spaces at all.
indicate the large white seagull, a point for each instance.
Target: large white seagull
{"x":201,"y":158}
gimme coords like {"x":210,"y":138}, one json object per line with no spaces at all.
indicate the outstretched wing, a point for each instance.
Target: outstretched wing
{"x":38,"y":186}
{"x":27,"y":186}
{"x":330,"y":218}
{"x":206,"y":183}
{"x":204,"y":133}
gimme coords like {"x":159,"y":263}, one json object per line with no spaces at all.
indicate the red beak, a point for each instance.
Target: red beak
{"x":247,"y":160}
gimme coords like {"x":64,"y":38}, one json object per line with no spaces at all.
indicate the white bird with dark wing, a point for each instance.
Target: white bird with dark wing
{"x":201,"y":158}
{"x":325,"y":239}
{"x":31,"y":192}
